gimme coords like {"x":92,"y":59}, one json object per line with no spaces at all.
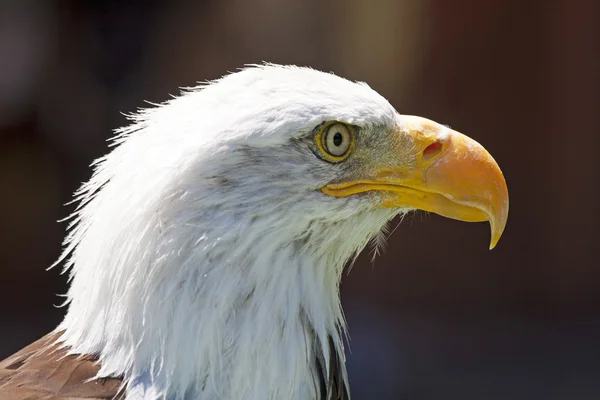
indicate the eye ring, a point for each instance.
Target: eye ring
{"x":335,"y":141}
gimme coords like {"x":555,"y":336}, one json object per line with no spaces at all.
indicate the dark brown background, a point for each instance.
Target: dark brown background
{"x":438,"y":315}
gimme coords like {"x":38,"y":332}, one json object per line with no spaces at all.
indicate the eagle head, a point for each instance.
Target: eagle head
{"x":206,"y":252}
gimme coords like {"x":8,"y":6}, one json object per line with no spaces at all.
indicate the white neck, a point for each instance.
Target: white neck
{"x":197,"y":310}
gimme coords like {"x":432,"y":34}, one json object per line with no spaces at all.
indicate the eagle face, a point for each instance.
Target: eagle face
{"x":206,"y":253}
{"x":326,"y":149}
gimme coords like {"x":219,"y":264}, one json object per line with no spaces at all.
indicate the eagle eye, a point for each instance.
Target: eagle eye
{"x":335,"y":141}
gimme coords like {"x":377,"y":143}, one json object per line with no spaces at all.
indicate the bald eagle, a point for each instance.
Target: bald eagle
{"x":206,"y":252}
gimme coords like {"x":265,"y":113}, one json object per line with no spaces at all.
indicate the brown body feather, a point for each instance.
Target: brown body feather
{"x":44,"y":371}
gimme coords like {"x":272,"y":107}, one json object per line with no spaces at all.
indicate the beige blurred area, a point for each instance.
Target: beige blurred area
{"x":437,"y":315}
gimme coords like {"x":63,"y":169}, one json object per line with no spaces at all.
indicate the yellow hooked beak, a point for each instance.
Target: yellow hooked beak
{"x":451,"y":175}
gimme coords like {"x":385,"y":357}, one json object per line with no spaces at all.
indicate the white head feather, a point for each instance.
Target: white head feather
{"x":204,"y":261}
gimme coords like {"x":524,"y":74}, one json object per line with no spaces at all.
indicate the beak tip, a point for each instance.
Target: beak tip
{"x":494,"y":240}
{"x":496,"y":232}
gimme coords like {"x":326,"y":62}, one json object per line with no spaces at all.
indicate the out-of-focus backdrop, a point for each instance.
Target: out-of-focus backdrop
{"x":436,"y":316}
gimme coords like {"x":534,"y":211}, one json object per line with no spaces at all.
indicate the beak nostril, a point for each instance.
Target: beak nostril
{"x":431,"y":150}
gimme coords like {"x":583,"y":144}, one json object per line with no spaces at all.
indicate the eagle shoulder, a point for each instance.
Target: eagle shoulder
{"x":44,"y":370}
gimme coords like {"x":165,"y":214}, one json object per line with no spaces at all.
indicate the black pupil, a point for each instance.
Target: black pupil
{"x":338,"y":139}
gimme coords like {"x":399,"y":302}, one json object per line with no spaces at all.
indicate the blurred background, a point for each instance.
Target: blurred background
{"x":437,"y":315}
